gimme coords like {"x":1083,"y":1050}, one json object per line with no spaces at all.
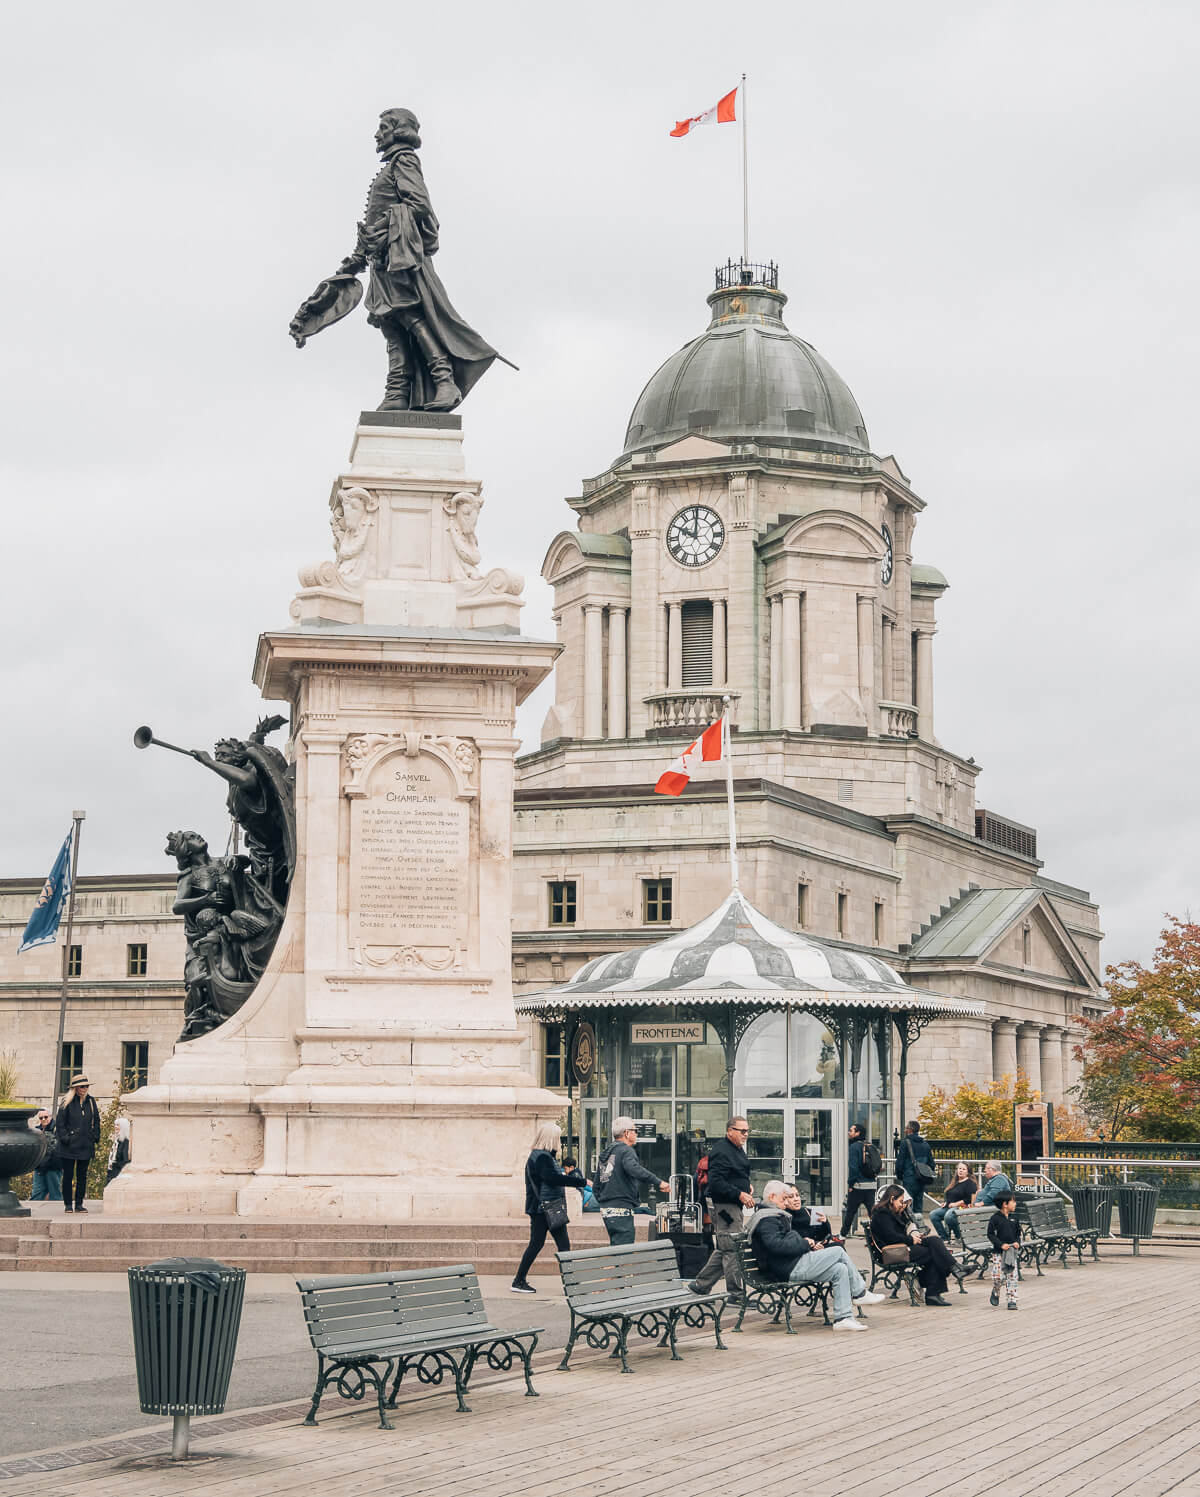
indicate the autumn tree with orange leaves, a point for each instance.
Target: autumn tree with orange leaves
{"x":1141,"y":1060}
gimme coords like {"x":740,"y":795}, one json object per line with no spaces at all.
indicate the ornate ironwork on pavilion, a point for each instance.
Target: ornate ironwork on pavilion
{"x":776,"y":1020}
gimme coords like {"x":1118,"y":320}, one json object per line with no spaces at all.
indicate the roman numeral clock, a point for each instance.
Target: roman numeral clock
{"x":695,"y":535}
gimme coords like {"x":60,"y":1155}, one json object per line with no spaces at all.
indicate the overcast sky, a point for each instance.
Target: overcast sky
{"x":985,"y":217}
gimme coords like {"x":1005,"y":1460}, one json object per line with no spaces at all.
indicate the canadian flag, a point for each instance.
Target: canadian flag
{"x":722,"y":112}
{"x":705,"y":750}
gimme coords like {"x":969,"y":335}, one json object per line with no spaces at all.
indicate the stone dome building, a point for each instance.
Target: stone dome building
{"x":748,"y":543}
{"x":747,"y":378}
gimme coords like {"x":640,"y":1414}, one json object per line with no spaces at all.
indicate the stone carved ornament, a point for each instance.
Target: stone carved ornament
{"x":362,"y":749}
{"x":462,"y":515}
{"x":352,"y":519}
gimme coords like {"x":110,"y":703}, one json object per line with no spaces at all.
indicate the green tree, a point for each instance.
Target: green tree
{"x":1141,"y":1060}
{"x":975,"y":1111}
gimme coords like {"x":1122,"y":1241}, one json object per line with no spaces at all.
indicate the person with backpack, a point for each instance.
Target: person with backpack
{"x":865,"y":1164}
{"x":914,"y":1165}
{"x":615,"y":1183}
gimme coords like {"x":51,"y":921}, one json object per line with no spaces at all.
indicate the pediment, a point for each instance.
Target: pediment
{"x":689,"y":449}
{"x":989,"y":928}
{"x":832,"y":532}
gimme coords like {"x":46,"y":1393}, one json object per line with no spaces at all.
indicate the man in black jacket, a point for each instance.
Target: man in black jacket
{"x":862,"y":1184}
{"x":728,"y":1192}
{"x":615,"y":1185}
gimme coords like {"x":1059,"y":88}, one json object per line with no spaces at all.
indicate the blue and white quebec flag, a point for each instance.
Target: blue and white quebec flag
{"x":42,"y":929}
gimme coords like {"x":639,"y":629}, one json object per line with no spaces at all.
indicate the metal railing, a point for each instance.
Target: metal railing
{"x":743,"y":273}
{"x":1178,"y":1180}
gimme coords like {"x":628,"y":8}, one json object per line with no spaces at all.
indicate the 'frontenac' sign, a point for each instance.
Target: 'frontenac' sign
{"x":667,"y":1034}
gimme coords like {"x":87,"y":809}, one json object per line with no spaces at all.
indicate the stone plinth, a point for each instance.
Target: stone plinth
{"x":375,"y":1072}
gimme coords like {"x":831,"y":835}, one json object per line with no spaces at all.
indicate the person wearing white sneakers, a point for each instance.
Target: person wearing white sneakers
{"x":785,"y":1254}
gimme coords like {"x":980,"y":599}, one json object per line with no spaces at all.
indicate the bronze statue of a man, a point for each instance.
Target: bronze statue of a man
{"x":433,"y":356}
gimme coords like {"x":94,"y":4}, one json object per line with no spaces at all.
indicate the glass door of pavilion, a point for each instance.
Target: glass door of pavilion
{"x":798,"y":1141}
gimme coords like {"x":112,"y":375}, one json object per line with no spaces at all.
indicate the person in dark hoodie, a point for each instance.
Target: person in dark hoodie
{"x":728,"y":1193}
{"x":615,"y":1184}
{"x":777,"y":1235}
{"x":1004,"y":1233}
{"x":913,"y":1157}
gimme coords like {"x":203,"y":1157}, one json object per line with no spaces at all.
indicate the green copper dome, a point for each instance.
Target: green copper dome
{"x":746,"y":378}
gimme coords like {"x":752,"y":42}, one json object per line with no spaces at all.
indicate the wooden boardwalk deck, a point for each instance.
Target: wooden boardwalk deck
{"x":1089,"y":1391}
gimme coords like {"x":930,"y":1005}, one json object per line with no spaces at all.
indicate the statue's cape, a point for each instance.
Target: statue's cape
{"x":333,"y":299}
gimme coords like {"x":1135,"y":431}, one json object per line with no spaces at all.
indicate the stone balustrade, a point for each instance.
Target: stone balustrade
{"x":897,"y":720}
{"x":694,"y":708}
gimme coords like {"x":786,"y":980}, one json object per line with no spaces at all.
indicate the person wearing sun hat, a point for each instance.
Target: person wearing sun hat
{"x":78,"y":1130}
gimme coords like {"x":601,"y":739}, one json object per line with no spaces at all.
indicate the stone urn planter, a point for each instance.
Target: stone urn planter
{"x":20,"y":1150}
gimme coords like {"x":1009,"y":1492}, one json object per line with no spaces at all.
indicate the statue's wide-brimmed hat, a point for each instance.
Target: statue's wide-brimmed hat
{"x":333,"y":299}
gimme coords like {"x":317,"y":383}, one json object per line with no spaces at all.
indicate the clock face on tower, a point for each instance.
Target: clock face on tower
{"x":885,"y":570}
{"x":695,"y":535}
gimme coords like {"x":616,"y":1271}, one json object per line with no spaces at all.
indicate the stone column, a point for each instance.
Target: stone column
{"x":1052,"y":1072}
{"x":616,"y":673}
{"x":644,"y":643}
{"x":776,"y":661}
{"x":1029,"y":1057}
{"x":718,"y":642}
{"x":743,"y":664}
{"x":1004,"y":1049}
{"x":866,"y":661}
{"x":924,"y":686}
{"x":1070,"y":1039}
{"x":889,"y":684}
{"x":806,"y":666}
{"x":674,"y":647}
{"x":791,"y":667}
{"x":593,"y":670}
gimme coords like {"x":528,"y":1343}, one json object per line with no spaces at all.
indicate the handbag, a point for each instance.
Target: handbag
{"x":894,"y":1254}
{"x":923,"y":1172}
{"x":555,"y":1213}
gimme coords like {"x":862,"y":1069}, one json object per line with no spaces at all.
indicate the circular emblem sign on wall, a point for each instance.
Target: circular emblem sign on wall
{"x":583,"y":1054}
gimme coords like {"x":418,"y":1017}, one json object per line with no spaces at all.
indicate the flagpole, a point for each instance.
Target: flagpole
{"x":727,"y":755}
{"x":78,"y":817}
{"x":745,"y":192}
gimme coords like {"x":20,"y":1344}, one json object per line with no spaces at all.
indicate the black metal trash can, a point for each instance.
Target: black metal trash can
{"x":1093,"y":1207}
{"x":186,"y":1316}
{"x":1137,"y":1205}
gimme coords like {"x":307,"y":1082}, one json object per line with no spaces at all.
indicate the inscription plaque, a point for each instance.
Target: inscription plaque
{"x":409,"y":857}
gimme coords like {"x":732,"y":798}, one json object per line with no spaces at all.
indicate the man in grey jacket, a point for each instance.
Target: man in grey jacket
{"x":615,"y":1185}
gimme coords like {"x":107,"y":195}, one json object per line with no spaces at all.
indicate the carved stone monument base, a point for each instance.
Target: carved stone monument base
{"x":376,"y":1071}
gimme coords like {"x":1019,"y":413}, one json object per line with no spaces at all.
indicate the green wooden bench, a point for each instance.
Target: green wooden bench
{"x":1054,"y":1233}
{"x":976,"y":1245}
{"x":774,"y":1297}
{"x":367,"y":1327}
{"x":611,"y":1290}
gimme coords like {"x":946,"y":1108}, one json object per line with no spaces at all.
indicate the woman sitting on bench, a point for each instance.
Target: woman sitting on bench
{"x":892,"y":1227}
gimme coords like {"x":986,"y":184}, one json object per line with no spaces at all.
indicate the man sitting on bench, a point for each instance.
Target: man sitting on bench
{"x":787,"y":1256}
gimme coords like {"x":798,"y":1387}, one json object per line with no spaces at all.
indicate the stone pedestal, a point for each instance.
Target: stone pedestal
{"x":375,"y":1072}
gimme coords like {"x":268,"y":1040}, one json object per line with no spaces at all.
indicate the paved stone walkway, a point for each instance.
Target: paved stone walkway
{"x":1089,"y":1391}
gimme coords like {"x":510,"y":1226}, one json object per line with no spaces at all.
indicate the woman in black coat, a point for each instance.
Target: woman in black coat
{"x":890,"y":1227}
{"x":545,"y":1185}
{"x":77,"y":1129}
